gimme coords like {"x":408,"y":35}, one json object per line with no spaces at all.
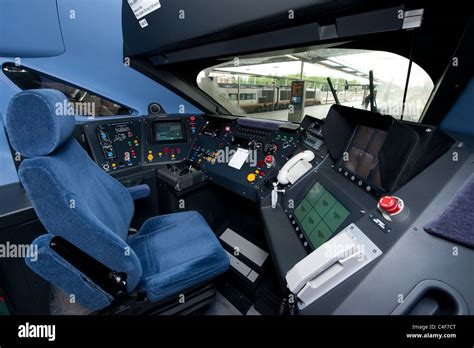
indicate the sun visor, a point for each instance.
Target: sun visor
{"x":157,"y":26}
{"x":379,"y":150}
{"x":30,"y":29}
{"x":171,"y":31}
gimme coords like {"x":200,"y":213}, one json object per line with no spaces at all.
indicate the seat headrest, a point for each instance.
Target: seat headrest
{"x":37,"y":121}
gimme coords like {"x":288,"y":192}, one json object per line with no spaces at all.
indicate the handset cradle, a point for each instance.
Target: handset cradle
{"x":294,"y":169}
{"x":331,"y":264}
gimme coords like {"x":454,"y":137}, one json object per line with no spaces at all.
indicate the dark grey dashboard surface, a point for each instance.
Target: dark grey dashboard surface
{"x":411,"y":255}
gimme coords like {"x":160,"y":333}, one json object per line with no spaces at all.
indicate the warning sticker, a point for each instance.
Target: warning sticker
{"x":143,"y":7}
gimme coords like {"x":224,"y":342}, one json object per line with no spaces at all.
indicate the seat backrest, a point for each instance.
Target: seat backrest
{"x":71,"y":195}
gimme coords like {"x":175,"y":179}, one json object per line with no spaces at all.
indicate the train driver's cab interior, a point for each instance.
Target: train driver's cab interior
{"x":303,"y":158}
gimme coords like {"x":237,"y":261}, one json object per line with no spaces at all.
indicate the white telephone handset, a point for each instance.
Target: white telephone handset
{"x":331,"y":264}
{"x":294,"y":169}
{"x":337,"y":250}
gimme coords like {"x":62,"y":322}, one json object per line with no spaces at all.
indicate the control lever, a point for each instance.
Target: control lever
{"x":186,"y":171}
{"x":275,"y":194}
{"x":172,"y":168}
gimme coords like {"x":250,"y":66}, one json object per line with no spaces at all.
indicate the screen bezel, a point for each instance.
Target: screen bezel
{"x":325,"y":176}
{"x":343,"y":169}
{"x":300,"y":223}
{"x":175,"y":141}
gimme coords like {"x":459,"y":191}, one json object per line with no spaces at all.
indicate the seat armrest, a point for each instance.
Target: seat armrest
{"x":139,"y":191}
{"x":48,"y":261}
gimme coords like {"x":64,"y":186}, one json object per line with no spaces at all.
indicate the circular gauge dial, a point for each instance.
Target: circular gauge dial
{"x":271,"y":149}
{"x":255,"y":145}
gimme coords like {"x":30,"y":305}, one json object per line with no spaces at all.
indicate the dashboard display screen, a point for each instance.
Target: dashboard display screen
{"x":363,"y":154}
{"x":168,"y":132}
{"x":319,"y":215}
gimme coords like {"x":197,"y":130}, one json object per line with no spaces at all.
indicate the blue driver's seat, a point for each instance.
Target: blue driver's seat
{"x":88,"y":252}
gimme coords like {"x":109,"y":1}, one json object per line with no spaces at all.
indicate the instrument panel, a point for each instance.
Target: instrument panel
{"x":131,"y":142}
{"x":116,"y":145}
{"x":242,"y":155}
{"x":169,"y":139}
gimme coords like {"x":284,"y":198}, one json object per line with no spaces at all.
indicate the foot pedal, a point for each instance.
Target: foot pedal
{"x":242,"y":247}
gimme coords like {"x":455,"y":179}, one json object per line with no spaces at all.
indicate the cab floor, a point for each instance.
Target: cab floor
{"x":222,"y":306}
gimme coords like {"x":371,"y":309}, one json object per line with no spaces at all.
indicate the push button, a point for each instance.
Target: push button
{"x":269,"y":159}
{"x":389,"y":204}
{"x":251,"y":177}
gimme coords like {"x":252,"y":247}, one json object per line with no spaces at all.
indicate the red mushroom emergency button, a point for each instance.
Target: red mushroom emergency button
{"x":389,"y":204}
{"x":269,"y":160}
{"x":393,"y":208}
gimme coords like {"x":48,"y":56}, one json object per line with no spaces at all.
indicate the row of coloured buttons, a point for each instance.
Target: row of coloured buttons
{"x":253,"y":176}
{"x":285,"y":137}
{"x":165,"y":152}
{"x":192,"y":124}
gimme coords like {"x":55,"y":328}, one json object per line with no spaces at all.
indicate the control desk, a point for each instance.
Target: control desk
{"x":312,"y":182}
{"x":244,"y":156}
{"x":209,"y":143}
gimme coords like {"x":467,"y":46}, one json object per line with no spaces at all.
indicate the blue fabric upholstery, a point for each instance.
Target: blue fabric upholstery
{"x":78,"y":201}
{"x":456,"y":223}
{"x":177,"y":251}
{"x":49,"y":265}
{"x":139,"y":191}
{"x":36,"y":123}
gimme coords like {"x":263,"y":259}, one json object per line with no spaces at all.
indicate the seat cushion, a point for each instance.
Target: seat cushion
{"x":177,"y":251}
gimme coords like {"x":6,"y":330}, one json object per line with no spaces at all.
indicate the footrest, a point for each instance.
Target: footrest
{"x":240,"y":251}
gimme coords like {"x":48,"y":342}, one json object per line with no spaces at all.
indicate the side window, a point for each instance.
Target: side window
{"x":84,"y":103}
{"x":247,"y":96}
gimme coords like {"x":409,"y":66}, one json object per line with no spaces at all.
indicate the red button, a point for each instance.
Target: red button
{"x":260,"y":163}
{"x":262,"y":173}
{"x":193,"y":118}
{"x":389,"y":204}
{"x":269,"y":159}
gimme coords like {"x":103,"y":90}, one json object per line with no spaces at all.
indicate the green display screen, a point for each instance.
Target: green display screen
{"x":319,"y":215}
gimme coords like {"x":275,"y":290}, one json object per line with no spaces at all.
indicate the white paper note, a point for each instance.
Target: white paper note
{"x":239,"y":158}
{"x":143,"y":7}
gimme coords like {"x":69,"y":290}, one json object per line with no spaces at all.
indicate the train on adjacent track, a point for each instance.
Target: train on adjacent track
{"x":262,"y":98}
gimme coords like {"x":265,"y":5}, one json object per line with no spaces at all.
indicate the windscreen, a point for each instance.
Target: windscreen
{"x":364,"y":79}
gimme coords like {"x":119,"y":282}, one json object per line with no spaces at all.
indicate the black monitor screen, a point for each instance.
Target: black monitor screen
{"x":319,"y":215}
{"x":363,"y":154}
{"x":168,"y":132}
